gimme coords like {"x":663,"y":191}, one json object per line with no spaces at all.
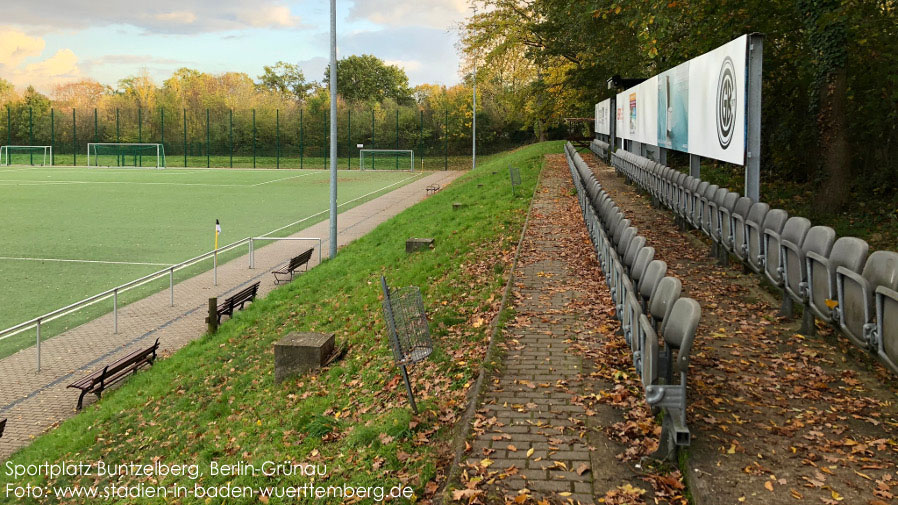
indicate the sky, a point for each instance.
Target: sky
{"x":50,"y":42}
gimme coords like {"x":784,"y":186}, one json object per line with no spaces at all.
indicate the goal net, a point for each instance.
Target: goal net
{"x":387,"y":159}
{"x":26,"y":155}
{"x":125,"y":155}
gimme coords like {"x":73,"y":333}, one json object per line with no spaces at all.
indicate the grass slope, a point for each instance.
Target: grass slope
{"x":215,"y":400}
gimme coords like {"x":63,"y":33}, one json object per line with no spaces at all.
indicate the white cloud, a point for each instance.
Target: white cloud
{"x":16,"y":47}
{"x":181,"y":17}
{"x":160,"y":16}
{"x":269,"y":16}
{"x":429,"y":13}
{"x":408,"y":65}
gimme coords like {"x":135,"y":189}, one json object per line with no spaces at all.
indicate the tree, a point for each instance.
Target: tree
{"x":367,"y":78}
{"x":285,"y":78}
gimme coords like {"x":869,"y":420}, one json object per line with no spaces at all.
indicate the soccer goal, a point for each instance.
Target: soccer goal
{"x":387,"y":159}
{"x":26,"y":155}
{"x":122,"y":154}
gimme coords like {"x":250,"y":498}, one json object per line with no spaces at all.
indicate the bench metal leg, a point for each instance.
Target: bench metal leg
{"x":81,"y":400}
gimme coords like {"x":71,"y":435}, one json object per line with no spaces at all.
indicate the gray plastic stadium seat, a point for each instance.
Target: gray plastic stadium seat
{"x":887,"y":326}
{"x":695,"y":215}
{"x":818,"y":240}
{"x":856,"y":292}
{"x":666,"y":293}
{"x":794,"y":231}
{"x":628,"y":313}
{"x":735,"y":231}
{"x":654,"y":272}
{"x":756,"y":216}
{"x":636,"y":245}
{"x":774,"y":221}
{"x":645,"y":256}
{"x":679,"y":333}
{"x":624,"y":242}
{"x":724,"y":210}
{"x":847,"y":252}
{"x":708,"y":198}
{"x":709,"y":221}
{"x":619,"y":230}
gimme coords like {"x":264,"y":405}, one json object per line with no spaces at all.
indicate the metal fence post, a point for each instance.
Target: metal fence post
{"x":349,"y":139}
{"x":251,"y":253}
{"x":301,"y":139}
{"x":324,"y":143}
{"x":171,"y":286}
{"x":446,"y":134}
{"x":31,"y":131}
{"x":254,"y":138}
{"x":231,"y":134}
{"x":208,"y":138}
{"x":38,"y":345}
{"x":277,"y":137}
{"x":52,"y":134}
{"x":115,"y":310}
{"x":185,"y":137}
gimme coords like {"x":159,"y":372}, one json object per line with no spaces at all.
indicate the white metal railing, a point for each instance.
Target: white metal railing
{"x":113,"y":293}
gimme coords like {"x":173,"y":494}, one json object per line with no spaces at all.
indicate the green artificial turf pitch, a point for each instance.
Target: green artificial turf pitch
{"x":157,"y":217}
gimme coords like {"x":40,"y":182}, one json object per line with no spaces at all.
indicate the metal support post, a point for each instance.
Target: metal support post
{"x":695,"y":166}
{"x":753,"y":121}
{"x":115,"y":311}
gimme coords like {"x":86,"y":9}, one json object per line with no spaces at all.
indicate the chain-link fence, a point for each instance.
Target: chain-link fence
{"x":297,"y":137}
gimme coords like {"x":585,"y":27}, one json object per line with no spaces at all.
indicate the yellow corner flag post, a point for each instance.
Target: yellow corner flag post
{"x":215,"y":254}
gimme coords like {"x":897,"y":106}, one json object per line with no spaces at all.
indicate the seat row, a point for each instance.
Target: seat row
{"x":836,"y":279}
{"x":658,"y":324}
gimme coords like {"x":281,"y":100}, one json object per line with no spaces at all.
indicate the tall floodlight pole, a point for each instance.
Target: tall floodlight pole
{"x":474,"y":117}
{"x":333,"y":86}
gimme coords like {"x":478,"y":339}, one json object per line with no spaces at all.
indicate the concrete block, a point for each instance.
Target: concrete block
{"x":299,"y":352}
{"x":417,"y":244}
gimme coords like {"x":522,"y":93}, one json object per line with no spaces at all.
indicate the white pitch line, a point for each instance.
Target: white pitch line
{"x":282,"y":179}
{"x":65,"y":260}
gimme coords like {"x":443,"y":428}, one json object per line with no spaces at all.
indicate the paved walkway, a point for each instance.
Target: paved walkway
{"x":36,"y":401}
{"x":532,"y":404}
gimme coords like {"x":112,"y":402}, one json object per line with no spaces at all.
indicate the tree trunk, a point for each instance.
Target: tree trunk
{"x":835,"y":156}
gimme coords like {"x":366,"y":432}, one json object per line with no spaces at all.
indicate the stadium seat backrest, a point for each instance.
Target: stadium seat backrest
{"x":754,"y":225}
{"x":636,"y":245}
{"x":661,"y":303}
{"x":794,"y":231}
{"x":679,"y":333}
{"x":645,"y":256}
{"x":653,"y":274}
{"x":619,"y":229}
{"x":625,"y":238}
{"x":818,"y":240}
{"x":740,"y":213}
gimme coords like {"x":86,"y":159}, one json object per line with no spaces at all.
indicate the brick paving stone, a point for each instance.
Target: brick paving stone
{"x":34,"y":401}
{"x":537,"y":417}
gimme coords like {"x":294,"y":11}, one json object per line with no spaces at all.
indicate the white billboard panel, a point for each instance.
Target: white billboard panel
{"x":717,"y":102}
{"x":637,"y":112}
{"x":603,"y":117}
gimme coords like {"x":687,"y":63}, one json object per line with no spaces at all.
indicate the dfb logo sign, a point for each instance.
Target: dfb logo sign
{"x":726,"y":103}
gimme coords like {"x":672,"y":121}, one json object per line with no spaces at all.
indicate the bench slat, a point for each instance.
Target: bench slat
{"x":115,"y":372}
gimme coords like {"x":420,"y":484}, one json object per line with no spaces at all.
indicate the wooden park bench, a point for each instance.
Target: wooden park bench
{"x":2,"y":427}
{"x":236,"y":301}
{"x":433,"y":188}
{"x":290,"y":269}
{"x":98,"y":381}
